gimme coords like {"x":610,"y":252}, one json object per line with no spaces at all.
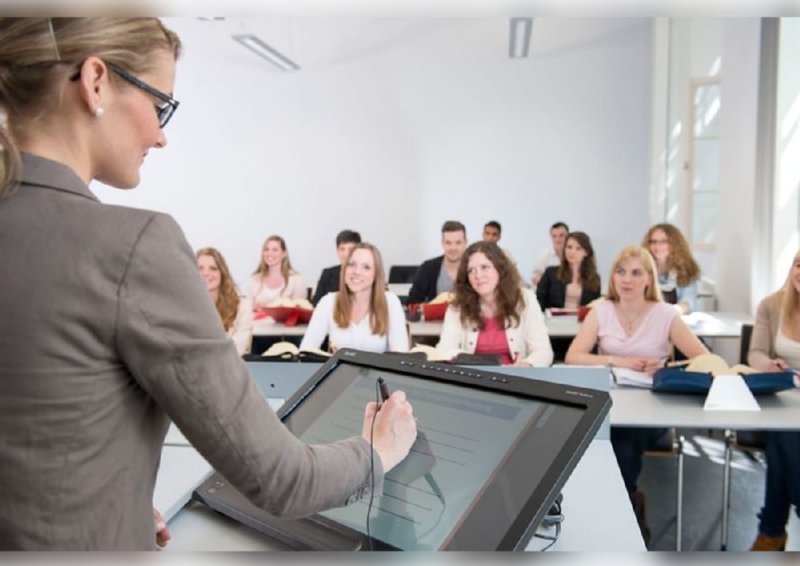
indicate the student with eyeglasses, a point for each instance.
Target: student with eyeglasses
{"x":362,"y":314}
{"x":492,"y":314}
{"x":678,"y":272}
{"x":108,"y":332}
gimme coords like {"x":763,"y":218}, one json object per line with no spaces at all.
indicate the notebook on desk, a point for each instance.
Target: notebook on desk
{"x":498,"y":448}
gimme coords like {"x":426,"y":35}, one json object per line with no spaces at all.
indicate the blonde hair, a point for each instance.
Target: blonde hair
{"x":653,"y":291}
{"x":790,"y":299}
{"x":227,"y":299}
{"x":680,"y":254}
{"x":378,"y":308}
{"x":286,"y":265}
{"x":37,"y":54}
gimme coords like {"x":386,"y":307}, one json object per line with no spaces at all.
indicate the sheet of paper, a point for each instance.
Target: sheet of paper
{"x":730,"y":393}
{"x":629,"y":377}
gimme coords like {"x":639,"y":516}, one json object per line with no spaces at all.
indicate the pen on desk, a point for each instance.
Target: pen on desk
{"x":679,"y":364}
{"x":384,"y":389}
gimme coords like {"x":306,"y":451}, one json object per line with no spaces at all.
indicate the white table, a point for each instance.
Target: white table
{"x":704,"y":325}
{"x":594,"y":485}
{"x":268,"y":327}
{"x":641,"y":407}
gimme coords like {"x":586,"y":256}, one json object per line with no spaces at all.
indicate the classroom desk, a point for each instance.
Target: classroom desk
{"x":195,"y":527}
{"x":594,"y":485}
{"x":641,"y":407}
{"x":399,"y":289}
{"x":703,"y":324}
{"x":268,"y":327}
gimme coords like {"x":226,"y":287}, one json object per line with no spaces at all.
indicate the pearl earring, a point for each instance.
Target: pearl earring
{"x":98,"y":112}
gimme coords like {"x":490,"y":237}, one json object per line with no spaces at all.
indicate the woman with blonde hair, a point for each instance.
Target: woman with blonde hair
{"x":131,"y":340}
{"x":677,"y":270}
{"x":235,"y":313}
{"x":775,"y":346}
{"x":274,"y":277}
{"x":362,"y":315}
{"x":633,"y":329}
{"x":492,"y":314}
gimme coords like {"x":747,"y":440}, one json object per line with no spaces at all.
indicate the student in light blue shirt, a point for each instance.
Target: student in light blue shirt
{"x":678,"y":272}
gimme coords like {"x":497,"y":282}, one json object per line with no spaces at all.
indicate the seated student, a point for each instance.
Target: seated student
{"x":329,"y":279}
{"x":436,"y":275}
{"x":775,"y":346}
{"x":633,"y":329}
{"x":492,"y":232}
{"x":274,"y":277}
{"x":236,"y":314}
{"x":678,"y":272}
{"x":362,"y":314}
{"x":575,"y":281}
{"x":492,"y":314}
{"x":551,"y":256}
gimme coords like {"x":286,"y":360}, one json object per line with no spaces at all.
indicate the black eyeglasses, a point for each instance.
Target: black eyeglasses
{"x":164,"y":111}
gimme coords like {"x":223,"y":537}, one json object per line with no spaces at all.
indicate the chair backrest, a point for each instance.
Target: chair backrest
{"x":402,"y":273}
{"x":744,"y":344}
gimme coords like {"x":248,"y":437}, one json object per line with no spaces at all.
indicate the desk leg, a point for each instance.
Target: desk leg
{"x":726,"y":486}
{"x":679,"y":517}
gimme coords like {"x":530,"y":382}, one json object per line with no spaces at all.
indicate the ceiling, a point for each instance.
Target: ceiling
{"x":315,"y":42}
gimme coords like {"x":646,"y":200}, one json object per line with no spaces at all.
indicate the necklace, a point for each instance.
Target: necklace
{"x":629,"y":323}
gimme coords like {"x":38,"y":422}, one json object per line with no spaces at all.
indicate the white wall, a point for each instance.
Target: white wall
{"x":786,"y":204}
{"x":392,"y":141}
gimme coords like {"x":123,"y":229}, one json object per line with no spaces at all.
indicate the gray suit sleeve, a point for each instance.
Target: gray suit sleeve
{"x":171,"y":339}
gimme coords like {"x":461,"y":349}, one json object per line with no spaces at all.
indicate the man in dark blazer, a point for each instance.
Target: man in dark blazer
{"x":328,"y":282}
{"x":436,"y":275}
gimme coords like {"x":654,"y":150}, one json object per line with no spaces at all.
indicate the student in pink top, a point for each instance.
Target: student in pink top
{"x":492,"y":314}
{"x":633,"y":329}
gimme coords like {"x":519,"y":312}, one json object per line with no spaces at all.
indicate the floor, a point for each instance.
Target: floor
{"x":702,"y":501}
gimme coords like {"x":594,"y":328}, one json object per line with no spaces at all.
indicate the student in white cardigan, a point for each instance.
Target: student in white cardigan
{"x":274,"y":277}
{"x":492,"y":314}
{"x":236,"y":315}
{"x":362,"y":315}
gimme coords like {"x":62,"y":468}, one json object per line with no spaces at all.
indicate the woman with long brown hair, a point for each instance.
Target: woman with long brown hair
{"x":575,"y":281}
{"x":235,"y":313}
{"x":676,"y":268}
{"x":362,"y":314}
{"x":492,"y":314}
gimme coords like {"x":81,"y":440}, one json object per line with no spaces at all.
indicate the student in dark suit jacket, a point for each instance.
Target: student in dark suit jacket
{"x":437,"y":275}
{"x":328,"y":282}
{"x":573,"y":283}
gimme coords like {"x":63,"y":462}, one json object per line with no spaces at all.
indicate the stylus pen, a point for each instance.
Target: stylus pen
{"x":383,"y":388}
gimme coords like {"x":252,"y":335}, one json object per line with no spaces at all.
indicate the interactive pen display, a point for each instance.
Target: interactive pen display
{"x":464,"y":435}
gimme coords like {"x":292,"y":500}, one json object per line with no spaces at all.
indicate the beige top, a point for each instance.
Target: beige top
{"x":107,"y":333}
{"x":762,"y":342}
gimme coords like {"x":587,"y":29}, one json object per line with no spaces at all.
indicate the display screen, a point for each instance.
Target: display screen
{"x":478,"y":458}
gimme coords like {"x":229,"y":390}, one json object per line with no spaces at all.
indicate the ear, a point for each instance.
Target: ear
{"x":94,"y":83}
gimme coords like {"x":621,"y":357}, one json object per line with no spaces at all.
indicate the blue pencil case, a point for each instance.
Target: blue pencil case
{"x":678,"y":380}
{"x":769,"y":382}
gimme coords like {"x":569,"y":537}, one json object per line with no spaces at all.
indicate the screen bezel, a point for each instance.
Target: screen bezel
{"x":594,"y":404}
